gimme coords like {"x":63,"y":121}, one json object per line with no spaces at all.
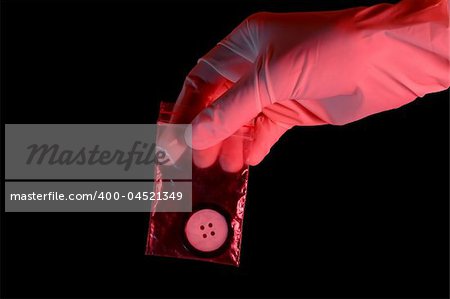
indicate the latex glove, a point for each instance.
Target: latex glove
{"x":313,"y":68}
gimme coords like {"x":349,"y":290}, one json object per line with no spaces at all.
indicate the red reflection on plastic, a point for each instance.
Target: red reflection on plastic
{"x":213,"y":189}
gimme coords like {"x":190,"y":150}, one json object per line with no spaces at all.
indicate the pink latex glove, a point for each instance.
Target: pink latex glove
{"x":312,"y":68}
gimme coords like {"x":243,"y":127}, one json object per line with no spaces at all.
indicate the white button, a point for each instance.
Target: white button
{"x":206,"y":230}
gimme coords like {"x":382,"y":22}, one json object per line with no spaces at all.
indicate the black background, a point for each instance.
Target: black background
{"x":365,"y":215}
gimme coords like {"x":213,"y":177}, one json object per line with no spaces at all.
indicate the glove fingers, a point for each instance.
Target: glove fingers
{"x":213,"y":75}
{"x":232,"y":154}
{"x":267,"y":133}
{"x":227,"y":62}
{"x":202,"y":86}
{"x":206,"y":158}
{"x":235,"y":108}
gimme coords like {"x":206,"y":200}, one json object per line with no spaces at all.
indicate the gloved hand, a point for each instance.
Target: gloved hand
{"x":312,"y":68}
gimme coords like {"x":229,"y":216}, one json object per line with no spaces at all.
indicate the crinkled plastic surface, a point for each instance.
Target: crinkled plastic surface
{"x":213,"y":230}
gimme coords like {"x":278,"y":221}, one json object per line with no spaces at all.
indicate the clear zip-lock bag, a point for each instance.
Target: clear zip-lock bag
{"x":212,"y":231}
